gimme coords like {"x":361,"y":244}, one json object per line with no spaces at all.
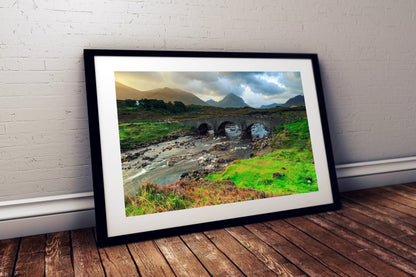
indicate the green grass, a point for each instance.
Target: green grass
{"x":151,"y":198}
{"x":279,"y":173}
{"x":289,"y":169}
{"x":138,"y":114}
{"x":138,"y":134}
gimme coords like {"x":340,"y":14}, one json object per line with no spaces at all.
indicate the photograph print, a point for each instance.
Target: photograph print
{"x":188,"y":141}
{"x":196,"y":139}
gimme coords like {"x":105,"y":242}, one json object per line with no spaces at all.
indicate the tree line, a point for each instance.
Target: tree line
{"x":156,"y":105}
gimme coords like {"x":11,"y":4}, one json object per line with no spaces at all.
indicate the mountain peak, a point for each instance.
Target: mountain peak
{"x":232,"y":101}
{"x":166,"y":94}
{"x":298,"y":100}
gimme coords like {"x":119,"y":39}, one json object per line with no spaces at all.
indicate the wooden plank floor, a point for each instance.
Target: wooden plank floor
{"x":372,"y":235}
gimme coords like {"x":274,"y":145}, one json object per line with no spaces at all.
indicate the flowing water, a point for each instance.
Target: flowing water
{"x":166,"y":162}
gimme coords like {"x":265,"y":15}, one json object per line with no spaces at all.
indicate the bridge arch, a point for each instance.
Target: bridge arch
{"x":245,"y":122}
{"x":237,"y":133}
{"x":204,"y":128}
{"x":247,"y":132}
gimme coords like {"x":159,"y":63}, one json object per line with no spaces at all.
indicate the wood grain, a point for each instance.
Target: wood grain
{"x":372,"y":203}
{"x":395,"y":196}
{"x":394,"y":246}
{"x":8,"y":252}
{"x":290,"y":251}
{"x":238,"y":254}
{"x":85,"y":254}
{"x":404,"y":187}
{"x":373,"y":234}
{"x":31,"y":257}
{"x":117,"y":261}
{"x":345,"y":248}
{"x":213,"y":260}
{"x":366,"y":245}
{"x":380,"y":226}
{"x":58,"y":255}
{"x":407,"y":228}
{"x":149,"y":259}
{"x":270,"y":257}
{"x":384,"y":201}
{"x":181,"y":259}
{"x":338,"y":263}
{"x":402,"y":190}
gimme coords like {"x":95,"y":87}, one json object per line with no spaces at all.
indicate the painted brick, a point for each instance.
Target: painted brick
{"x":366,"y":49}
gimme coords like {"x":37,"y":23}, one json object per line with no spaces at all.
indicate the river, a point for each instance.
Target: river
{"x":168,"y":161}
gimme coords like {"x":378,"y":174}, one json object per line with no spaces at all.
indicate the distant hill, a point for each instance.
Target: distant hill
{"x":166,"y":94}
{"x":125,"y":92}
{"x":170,"y":94}
{"x":298,"y":100}
{"x":212,"y":102}
{"x":269,"y":106}
{"x":231,"y":101}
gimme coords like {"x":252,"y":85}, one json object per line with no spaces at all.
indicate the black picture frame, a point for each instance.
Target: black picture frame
{"x":112,"y":224}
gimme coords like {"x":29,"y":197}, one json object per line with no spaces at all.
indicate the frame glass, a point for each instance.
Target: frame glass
{"x":189,"y":141}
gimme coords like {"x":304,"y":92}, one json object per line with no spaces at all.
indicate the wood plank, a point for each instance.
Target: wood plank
{"x":400,"y":224}
{"x":117,"y":261}
{"x":86,"y":258}
{"x":305,"y":262}
{"x":405,"y":187}
{"x":58,"y":255}
{"x":341,"y":265}
{"x":412,"y":185}
{"x":365,"y":245}
{"x":404,"y":191}
{"x":181,"y":259}
{"x":8,"y":253}
{"x":149,"y":260}
{"x":345,"y":248}
{"x":383,"y":201}
{"x":213,"y":260}
{"x":31,"y":256}
{"x":393,"y":245}
{"x":240,"y":256}
{"x":382,"y":227}
{"x":270,"y":257}
{"x":372,"y":204}
{"x":395,"y":196}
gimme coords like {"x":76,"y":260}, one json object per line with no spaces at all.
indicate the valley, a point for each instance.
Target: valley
{"x":170,"y":164}
{"x":195,"y":139}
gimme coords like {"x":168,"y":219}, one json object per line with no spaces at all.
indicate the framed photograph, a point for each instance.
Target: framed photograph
{"x":190,"y":141}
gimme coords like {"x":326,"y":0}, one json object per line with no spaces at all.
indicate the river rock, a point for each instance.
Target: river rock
{"x":132,"y":156}
{"x":196,"y":174}
{"x":308,"y":179}
{"x":219,"y":147}
{"x":277,"y":174}
{"x":150,"y":158}
{"x":174,"y":160}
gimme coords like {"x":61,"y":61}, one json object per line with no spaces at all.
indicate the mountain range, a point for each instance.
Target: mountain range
{"x":166,"y":94}
{"x":298,"y":100}
{"x":229,"y":101}
{"x":171,"y":94}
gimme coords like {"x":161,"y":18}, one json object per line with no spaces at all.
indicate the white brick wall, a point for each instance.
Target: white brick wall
{"x":366,"y":48}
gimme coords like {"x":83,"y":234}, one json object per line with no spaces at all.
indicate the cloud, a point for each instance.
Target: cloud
{"x":264,"y":86}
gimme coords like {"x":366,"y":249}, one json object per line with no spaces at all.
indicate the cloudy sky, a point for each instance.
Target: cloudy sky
{"x":256,"y":88}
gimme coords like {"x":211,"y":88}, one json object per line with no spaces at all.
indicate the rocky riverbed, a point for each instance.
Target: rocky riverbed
{"x":189,"y":157}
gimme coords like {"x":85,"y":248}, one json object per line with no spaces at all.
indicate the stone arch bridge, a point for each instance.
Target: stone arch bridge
{"x":244,"y":122}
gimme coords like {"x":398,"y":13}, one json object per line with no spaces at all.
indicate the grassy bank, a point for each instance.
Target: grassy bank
{"x":138,"y":134}
{"x":151,"y":198}
{"x":289,"y":169}
{"x":139,"y":114}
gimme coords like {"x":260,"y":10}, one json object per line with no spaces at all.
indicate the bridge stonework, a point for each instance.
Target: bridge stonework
{"x":244,"y":122}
